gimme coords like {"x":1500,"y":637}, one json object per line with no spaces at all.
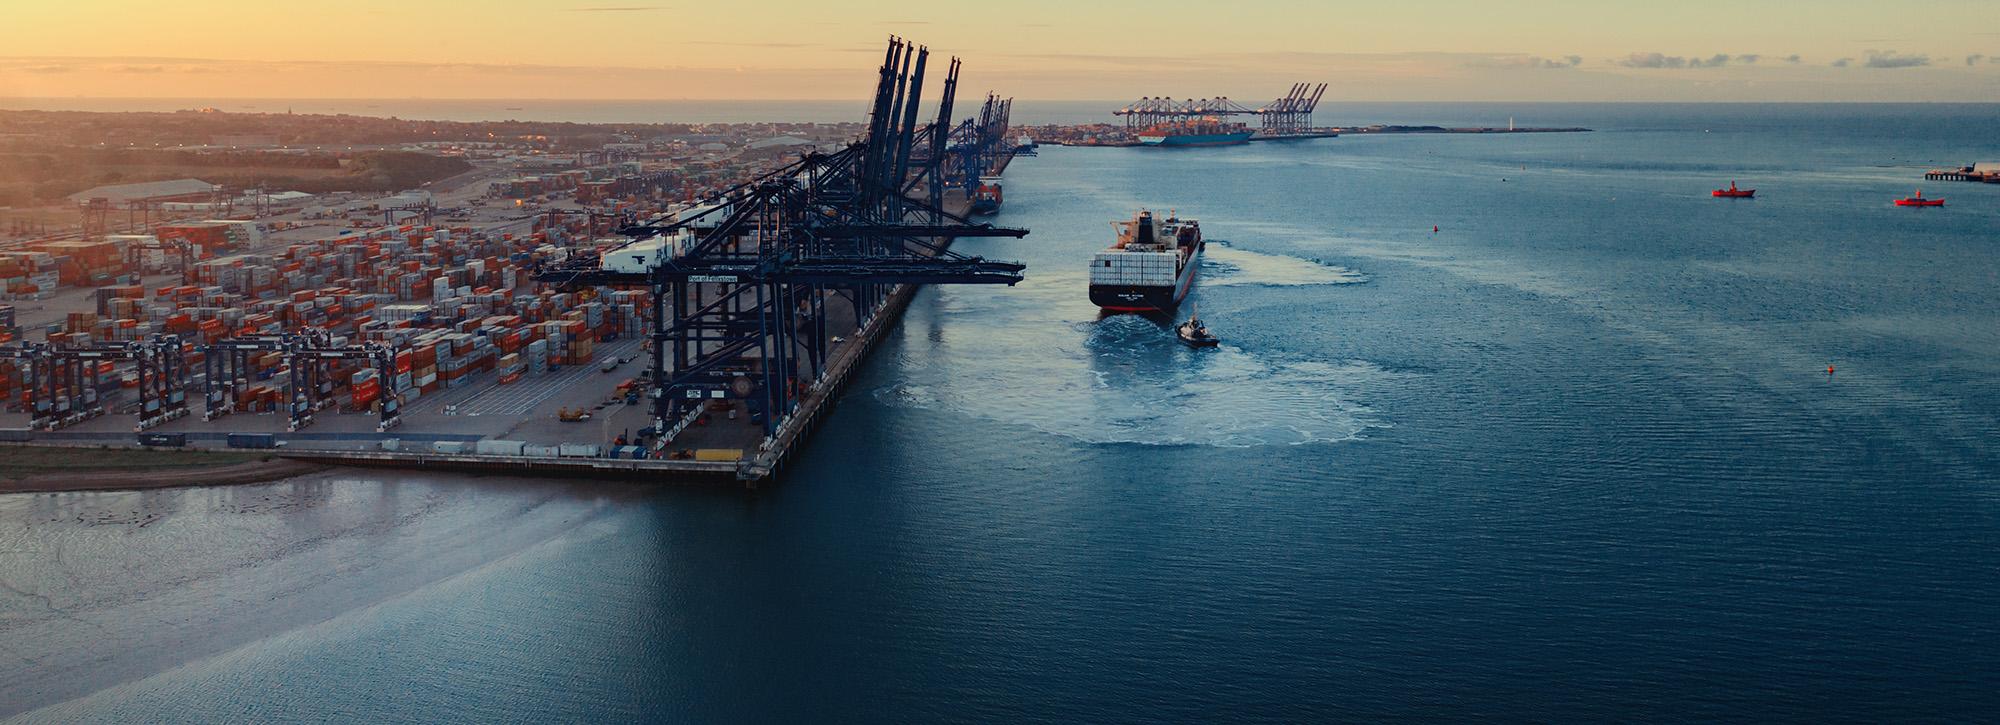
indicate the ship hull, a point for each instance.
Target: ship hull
{"x":1149,"y":298}
{"x":1198,"y":139}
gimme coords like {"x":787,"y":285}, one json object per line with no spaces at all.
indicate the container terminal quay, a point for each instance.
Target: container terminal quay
{"x":681,"y":310}
{"x":588,"y":320}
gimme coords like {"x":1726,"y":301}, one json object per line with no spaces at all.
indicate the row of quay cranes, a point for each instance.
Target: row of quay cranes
{"x":979,"y":146}
{"x":1288,"y":115}
{"x":744,"y":285}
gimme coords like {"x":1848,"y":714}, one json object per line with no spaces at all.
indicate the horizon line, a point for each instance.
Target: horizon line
{"x":863,"y":101}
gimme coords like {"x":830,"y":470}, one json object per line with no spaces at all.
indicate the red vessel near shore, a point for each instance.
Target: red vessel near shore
{"x":1734,"y":193}
{"x":1919,"y":200}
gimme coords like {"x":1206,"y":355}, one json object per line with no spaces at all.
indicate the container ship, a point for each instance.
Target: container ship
{"x":1150,"y":268}
{"x":1193,"y":133}
{"x":986,"y":199}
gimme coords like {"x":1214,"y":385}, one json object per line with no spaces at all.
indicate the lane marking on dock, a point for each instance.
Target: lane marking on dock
{"x":530,"y":392}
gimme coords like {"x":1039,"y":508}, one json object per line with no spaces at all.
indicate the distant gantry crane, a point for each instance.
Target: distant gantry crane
{"x":1147,"y":113}
{"x":1290,"y":115}
{"x":979,"y":146}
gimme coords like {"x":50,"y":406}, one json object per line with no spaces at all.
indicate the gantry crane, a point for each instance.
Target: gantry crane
{"x":741,"y":284}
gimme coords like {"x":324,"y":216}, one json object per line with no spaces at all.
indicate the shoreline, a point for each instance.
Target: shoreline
{"x":1338,"y":131}
{"x":1462,"y":129}
{"x":223,"y":473}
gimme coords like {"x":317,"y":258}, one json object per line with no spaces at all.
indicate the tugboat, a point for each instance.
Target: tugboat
{"x":1919,"y":200}
{"x":1733,"y":193}
{"x":1195,"y":334}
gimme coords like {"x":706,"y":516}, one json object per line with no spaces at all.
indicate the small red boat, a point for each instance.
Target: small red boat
{"x":1733,"y":193}
{"x":1919,"y":200}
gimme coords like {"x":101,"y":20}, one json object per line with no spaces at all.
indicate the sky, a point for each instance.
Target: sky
{"x":1440,"y":50}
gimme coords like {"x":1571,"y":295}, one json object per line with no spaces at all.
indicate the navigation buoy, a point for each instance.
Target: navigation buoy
{"x":1829,"y":368}
{"x":1434,"y":228}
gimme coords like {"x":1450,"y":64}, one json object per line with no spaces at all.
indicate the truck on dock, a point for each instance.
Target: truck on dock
{"x":258,"y":441}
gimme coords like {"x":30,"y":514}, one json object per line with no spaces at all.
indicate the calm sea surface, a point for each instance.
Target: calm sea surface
{"x":1574,"y":455}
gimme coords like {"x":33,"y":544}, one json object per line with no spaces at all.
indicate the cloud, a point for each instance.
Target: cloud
{"x":1893,"y":59}
{"x":1974,"y":59}
{"x":1528,"y":61}
{"x":157,"y":64}
{"x":1843,"y":63}
{"x":1749,"y":58}
{"x":1660,"y":60}
{"x":1653,"y":60}
{"x":772,"y":44}
{"x":1793,"y":59}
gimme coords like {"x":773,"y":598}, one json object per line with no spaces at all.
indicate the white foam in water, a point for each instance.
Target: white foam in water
{"x":1224,"y":265}
{"x":1126,"y":379}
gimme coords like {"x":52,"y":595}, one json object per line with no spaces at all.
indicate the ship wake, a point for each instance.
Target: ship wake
{"x":1126,"y":380}
{"x":1224,"y":265}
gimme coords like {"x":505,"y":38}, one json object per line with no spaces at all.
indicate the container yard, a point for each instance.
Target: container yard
{"x":587,"y":320}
